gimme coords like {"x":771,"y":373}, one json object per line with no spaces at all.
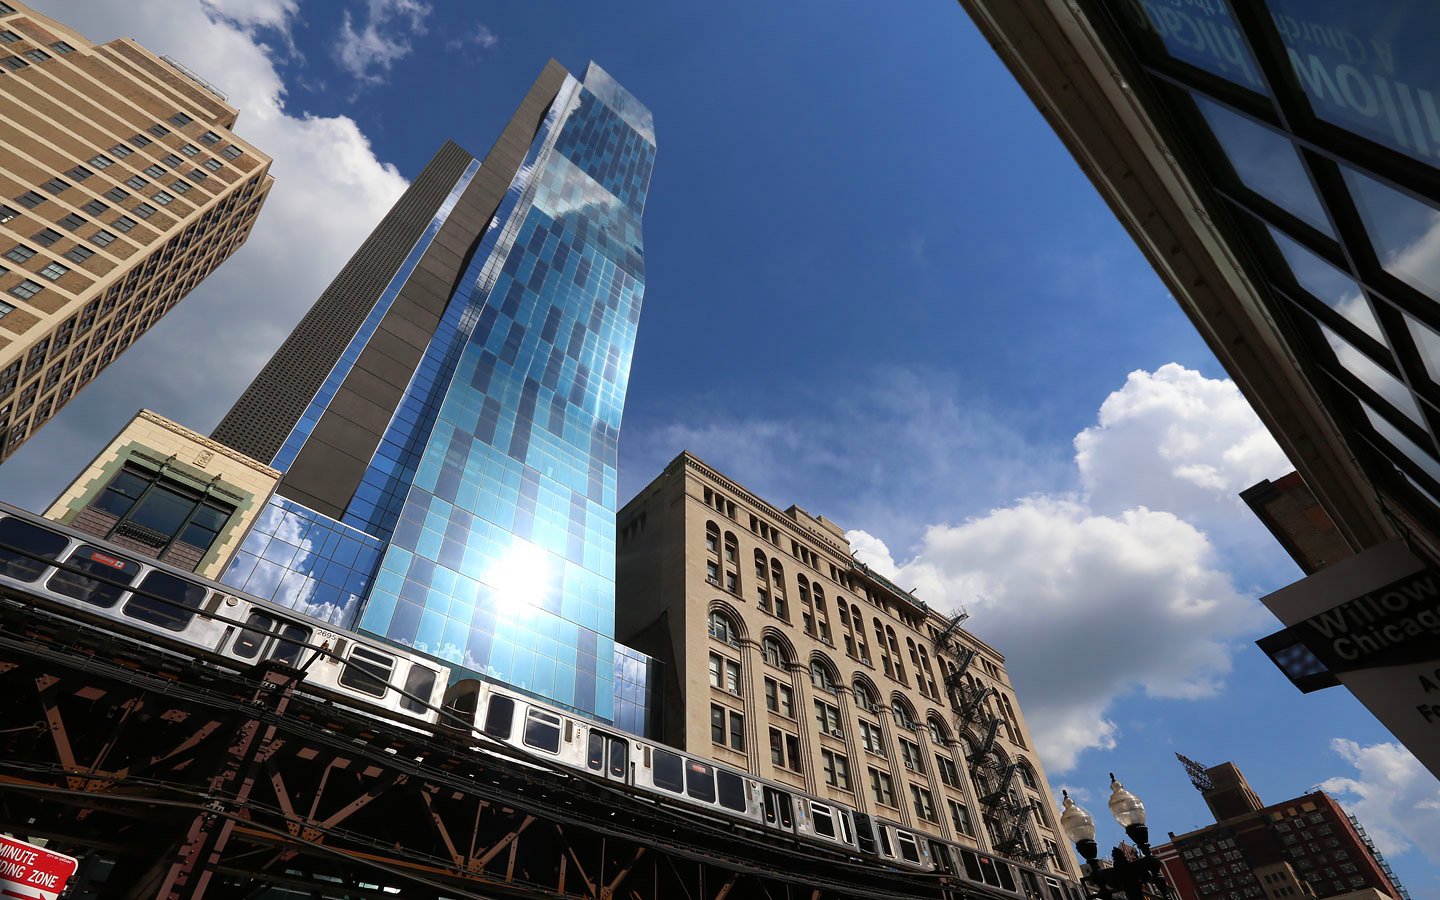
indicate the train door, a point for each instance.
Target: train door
{"x":608,"y":755}
{"x":779,"y":810}
{"x":941,"y":855}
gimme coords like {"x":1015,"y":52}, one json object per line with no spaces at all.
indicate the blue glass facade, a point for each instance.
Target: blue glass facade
{"x":483,"y":529}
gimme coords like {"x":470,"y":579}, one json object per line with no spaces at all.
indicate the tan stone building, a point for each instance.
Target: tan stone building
{"x":121,"y":188}
{"x":788,"y":658}
{"x":169,"y":493}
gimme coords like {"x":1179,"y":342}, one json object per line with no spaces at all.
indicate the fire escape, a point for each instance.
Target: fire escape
{"x":1007,"y":815}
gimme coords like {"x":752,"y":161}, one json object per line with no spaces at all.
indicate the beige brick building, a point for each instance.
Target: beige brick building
{"x":786,"y":657}
{"x":121,"y":188}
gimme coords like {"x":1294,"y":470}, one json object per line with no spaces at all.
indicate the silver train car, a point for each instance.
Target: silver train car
{"x":65,"y":569}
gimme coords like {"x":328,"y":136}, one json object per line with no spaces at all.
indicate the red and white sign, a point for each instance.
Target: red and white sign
{"x":28,"y":872}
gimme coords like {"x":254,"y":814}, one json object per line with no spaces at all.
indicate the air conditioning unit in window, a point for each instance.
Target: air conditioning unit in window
{"x":732,"y":692}
{"x":835,"y":732}
{"x":733,"y":641}
{"x":911,"y":766}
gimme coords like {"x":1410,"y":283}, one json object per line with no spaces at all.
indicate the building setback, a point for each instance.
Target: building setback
{"x":431,"y":455}
{"x":785,"y":657}
{"x":1276,"y":161}
{"x":1304,"y":847}
{"x":122,"y":185}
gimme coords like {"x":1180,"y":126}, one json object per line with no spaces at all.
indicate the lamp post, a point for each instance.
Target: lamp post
{"x":1133,"y":879}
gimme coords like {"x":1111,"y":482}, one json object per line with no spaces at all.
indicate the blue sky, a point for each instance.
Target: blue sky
{"x":878,"y":287}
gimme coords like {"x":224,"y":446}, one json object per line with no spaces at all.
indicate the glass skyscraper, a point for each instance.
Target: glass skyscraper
{"x":447,"y":416}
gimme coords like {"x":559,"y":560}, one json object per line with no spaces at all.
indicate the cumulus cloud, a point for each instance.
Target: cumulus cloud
{"x":369,"y":52}
{"x":1051,"y":582}
{"x":1391,"y":794}
{"x":1123,"y":563}
{"x":329,"y":191}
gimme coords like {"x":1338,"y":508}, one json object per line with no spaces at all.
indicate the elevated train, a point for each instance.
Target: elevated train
{"x":94,"y":580}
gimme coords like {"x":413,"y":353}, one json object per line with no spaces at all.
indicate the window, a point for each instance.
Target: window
{"x":30,"y":199}
{"x":118,"y":194}
{"x":7,"y":213}
{"x":144,"y":210}
{"x":542,"y":730}
{"x":197,"y":176}
{"x":9,"y":37}
{"x":209,"y":138}
{"x":37,"y":55}
{"x":779,"y":698}
{"x":13,"y":62}
{"x":722,"y":629}
{"x":911,"y":755}
{"x":5,"y":309}
{"x":162,"y":197}
{"x":120,"y":151}
{"x":141,"y":140}
{"x":774,"y":652}
{"x":54,"y":271}
{"x":865,"y":698}
{"x":19,"y":253}
{"x":135,"y":181}
{"x":724,"y":673}
{"x":903,"y":716}
{"x":26,"y":289}
{"x":712,"y":571}
{"x":821,"y":677}
{"x":948,"y":773}
{"x":924,"y":804}
{"x":214,"y":165}
{"x":837,"y":769}
{"x":785,"y":750}
{"x":367,"y":671}
{"x":101,"y":238}
{"x":727,"y":727}
{"x":95,"y":207}
{"x":827,"y":717}
{"x":960,"y":818}
{"x":46,"y":237}
{"x":62,"y":47}
{"x":179,"y":187}
{"x":180,"y":120}
{"x":56,"y":186}
{"x":160,"y":513}
{"x":871,"y":738}
{"x":72,"y":222}
{"x":882,"y":788}
{"x":153,"y":171}
{"x":172,"y":160}
{"x":79,"y":173}
{"x":123,"y":223}
{"x":158,"y":130}
{"x":234,"y":152}
{"x":173,"y":597}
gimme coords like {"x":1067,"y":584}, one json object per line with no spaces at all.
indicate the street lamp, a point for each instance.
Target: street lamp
{"x":1134,"y":879}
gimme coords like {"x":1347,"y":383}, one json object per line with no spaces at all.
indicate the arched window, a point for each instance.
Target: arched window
{"x":1027,"y":774}
{"x":822,"y":675}
{"x":774,"y":652}
{"x":762,"y":567}
{"x":904,"y":715}
{"x":862,"y":646}
{"x":777,"y":590}
{"x":807,"y":611}
{"x":732,"y":549}
{"x":865,"y":697}
{"x":884,"y":653}
{"x":939,"y":732}
{"x":895,"y":652}
{"x":822,"y":614}
{"x":712,"y":538}
{"x":722,"y":628}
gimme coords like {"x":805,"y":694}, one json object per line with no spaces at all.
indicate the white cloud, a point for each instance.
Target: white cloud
{"x":1086,"y":607}
{"x":329,"y":191}
{"x":1392,"y":795}
{"x":369,"y":52}
{"x":480,"y":37}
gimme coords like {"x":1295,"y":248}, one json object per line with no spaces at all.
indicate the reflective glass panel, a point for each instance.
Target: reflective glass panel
{"x":1202,"y":34}
{"x":1373,"y":376}
{"x":1368,"y":67}
{"x":1427,"y":463}
{"x":1404,"y":232}
{"x":1331,"y":286}
{"x":1266,"y":162}
{"x":1427,"y":341}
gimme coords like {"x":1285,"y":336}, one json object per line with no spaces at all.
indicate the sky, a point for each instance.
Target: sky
{"x":877,"y":286}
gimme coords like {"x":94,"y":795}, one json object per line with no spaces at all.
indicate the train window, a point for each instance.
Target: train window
{"x":824,"y":823}
{"x":865,"y":833}
{"x":542,"y":730}
{"x":731,"y":790}
{"x":700,"y":781}
{"x":846,"y":834}
{"x":668,"y":771}
{"x":287,"y":648}
{"x":1032,"y":887}
{"x":102,"y":578}
{"x":498,"y":716}
{"x":883,"y":832}
{"x":19,"y":538}
{"x":909,"y":849}
{"x":941,"y":854}
{"x":248,"y":640}
{"x":619,"y":757}
{"x":170,"y":605}
{"x":972,"y":865}
{"x":595,"y":752}
{"x":1007,"y":878}
{"x":987,"y":872}
{"x":367,"y":671}
{"x":419,"y":684}
{"x":1054,"y":887}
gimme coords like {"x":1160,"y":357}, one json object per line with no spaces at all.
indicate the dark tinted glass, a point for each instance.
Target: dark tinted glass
{"x":619,"y":758}
{"x":162,"y":510}
{"x":972,"y":865}
{"x":19,"y":540}
{"x":102,"y":578}
{"x":668,"y":771}
{"x":122,"y":493}
{"x":595,"y":752}
{"x":700,"y":781}
{"x":731,"y":790}
{"x":542,"y":731}
{"x":824,"y":824}
{"x":287,"y":649}
{"x":1007,"y":878}
{"x":909,"y":849}
{"x":420,"y":683}
{"x":367,"y":671}
{"x":171,"y":604}
{"x":499,"y":716}
{"x":248,"y":641}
